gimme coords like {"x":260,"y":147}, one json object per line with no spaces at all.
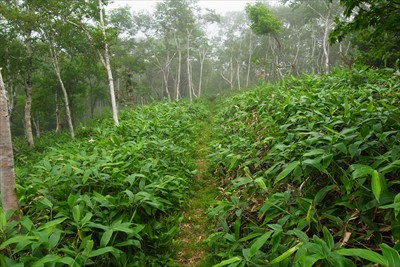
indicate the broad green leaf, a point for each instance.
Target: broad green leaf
{"x":361,"y":170}
{"x":288,"y":169}
{"x":315,"y":163}
{"x":102,"y":251}
{"x":363,"y":253}
{"x":17,"y":239}
{"x":341,"y":147}
{"x":261,"y":184}
{"x":27,"y":223}
{"x":259,"y":243}
{"x":371,"y":106}
{"x":46,"y":259}
{"x":71,"y":200}
{"x":354,"y":148}
{"x":46,"y":202}
{"x":76,"y":213}
{"x":395,"y":205}
{"x":241,"y":181}
{"x":3,"y":220}
{"x":67,"y":260}
{"x":106,"y":237}
{"x":97,"y":225}
{"x":395,"y":165}
{"x":54,"y":238}
{"x":376,"y":185}
{"x":122,"y":227}
{"x":130,"y":242}
{"x":346,"y":107}
{"x":87,"y":218}
{"x":314,"y":152}
{"x":87,"y":245}
{"x":236,"y":227}
{"x":229,"y":261}
{"x":25,"y":245}
{"x":331,"y":130}
{"x":249,"y":237}
{"x":328,"y":238}
{"x":309,"y":259}
{"x":390,"y":254}
{"x":52,"y":223}
{"x":286,"y":254}
{"x":322,"y":193}
{"x":303,"y":237}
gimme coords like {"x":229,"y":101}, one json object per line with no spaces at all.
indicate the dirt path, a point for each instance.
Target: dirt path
{"x":193,"y":228}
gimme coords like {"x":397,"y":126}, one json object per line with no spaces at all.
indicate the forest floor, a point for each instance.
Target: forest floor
{"x":194,"y":229}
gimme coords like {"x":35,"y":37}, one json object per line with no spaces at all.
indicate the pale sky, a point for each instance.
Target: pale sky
{"x":220,"y":6}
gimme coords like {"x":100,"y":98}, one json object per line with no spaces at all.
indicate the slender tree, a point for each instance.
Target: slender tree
{"x":57,"y":70}
{"x":7,"y":175}
{"x":105,"y":60}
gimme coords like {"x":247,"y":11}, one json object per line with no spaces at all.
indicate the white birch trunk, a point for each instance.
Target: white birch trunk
{"x":106,"y":62}
{"x":190,"y":89}
{"x":178,"y":75}
{"x":64,"y":91}
{"x":249,"y":61}
{"x":238,"y":73}
{"x":58,"y":115}
{"x":28,"y":97}
{"x":202,"y":56}
{"x":326,"y":43}
{"x":7,"y":174}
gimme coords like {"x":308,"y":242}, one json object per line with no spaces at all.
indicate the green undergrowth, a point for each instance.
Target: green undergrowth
{"x":309,"y":169}
{"x":113,"y":197}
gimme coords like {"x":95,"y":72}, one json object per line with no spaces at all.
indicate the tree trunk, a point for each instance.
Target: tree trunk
{"x":28,"y":97}
{"x":106,"y":62}
{"x":202,"y":56}
{"x":188,"y":65}
{"x":326,"y":43}
{"x":189,"y":69}
{"x":249,"y":61}
{"x":231,"y":71}
{"x":7,"y":175}
{"x":178,"y":75}
{"x":36,"y":125}
{"x":58,"y":74}
{"x":165,"y":79}
{"x":238,"y":73}
{"x":58,"y":115}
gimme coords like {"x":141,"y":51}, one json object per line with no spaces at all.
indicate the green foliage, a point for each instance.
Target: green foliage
{"x":310,"y":168}
{"x":376,"y":25}
{"x":263,"y":22}
{"x":109,"y":198}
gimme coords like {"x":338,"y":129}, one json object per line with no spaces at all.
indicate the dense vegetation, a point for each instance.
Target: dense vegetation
{"x":108,"y":198}
{"x":306,"y":165}
{"x":309,"y":169}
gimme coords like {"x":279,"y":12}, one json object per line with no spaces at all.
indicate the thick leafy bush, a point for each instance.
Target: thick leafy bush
{"x":311,"y":167}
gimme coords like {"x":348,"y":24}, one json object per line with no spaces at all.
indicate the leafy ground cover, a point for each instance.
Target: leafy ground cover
{"x":113,"y":197}
{"x":309,"y":173}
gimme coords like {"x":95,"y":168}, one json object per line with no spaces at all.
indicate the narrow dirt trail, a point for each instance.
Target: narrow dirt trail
{"x":193,"y":228}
